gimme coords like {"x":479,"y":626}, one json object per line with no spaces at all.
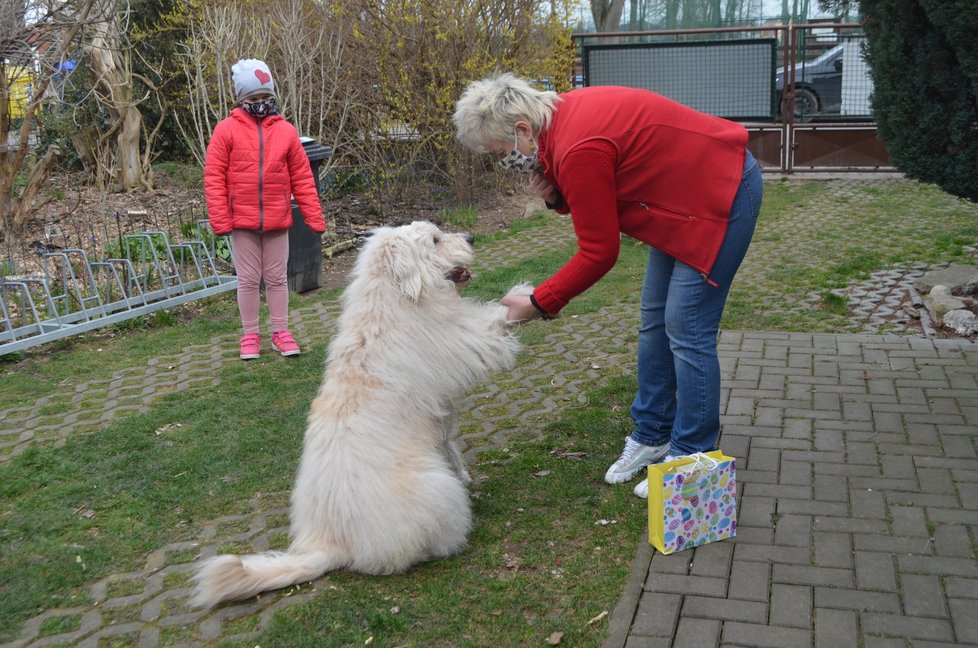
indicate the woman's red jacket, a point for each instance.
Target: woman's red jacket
{"x":634,"y":162}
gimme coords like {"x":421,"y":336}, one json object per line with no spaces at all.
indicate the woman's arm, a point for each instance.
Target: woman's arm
{"x":587,"y":182}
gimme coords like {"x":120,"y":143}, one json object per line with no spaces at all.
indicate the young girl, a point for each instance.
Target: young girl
{"x":255,"y":163}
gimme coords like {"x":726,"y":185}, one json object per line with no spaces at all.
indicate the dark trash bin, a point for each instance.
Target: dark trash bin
{"x":305,"y":246}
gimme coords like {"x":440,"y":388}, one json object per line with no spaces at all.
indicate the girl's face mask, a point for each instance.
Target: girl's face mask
{"x":260,"y":108}
{"x":520,"y":161}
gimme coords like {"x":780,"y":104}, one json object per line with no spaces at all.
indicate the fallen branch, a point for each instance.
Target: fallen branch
{"x":336,"y":248}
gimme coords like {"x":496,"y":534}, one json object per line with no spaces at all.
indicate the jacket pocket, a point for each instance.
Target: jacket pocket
{"x":662,"y":210}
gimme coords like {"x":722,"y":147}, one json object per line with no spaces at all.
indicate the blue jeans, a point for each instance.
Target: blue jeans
{"x":678,"y":399}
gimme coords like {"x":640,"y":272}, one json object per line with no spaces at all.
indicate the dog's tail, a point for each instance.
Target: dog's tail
{"x":228,"y":577}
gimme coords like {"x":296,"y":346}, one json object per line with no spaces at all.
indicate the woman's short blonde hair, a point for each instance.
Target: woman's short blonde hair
{"x":489,"y":108}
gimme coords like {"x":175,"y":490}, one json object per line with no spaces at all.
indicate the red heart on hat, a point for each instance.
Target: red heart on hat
{"x":263,"y":76}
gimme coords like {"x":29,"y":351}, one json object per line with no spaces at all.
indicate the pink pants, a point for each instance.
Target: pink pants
{"x":257,"y":256}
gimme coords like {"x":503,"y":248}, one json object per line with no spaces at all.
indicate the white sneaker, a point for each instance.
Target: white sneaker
{"x":642,"y":488}
{"x":633,"y":458}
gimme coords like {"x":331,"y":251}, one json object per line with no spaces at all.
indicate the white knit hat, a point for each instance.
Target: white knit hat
{"x":250,"y":77}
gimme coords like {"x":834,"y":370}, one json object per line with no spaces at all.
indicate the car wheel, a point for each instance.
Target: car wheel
{"x":806,"y":104}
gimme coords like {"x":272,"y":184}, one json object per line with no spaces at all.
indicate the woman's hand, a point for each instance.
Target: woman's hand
{"x":520,"y":308}
{"x":542,"y":187}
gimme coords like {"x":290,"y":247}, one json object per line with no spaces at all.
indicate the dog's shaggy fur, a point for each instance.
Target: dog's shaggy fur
{"x":382,"y":485}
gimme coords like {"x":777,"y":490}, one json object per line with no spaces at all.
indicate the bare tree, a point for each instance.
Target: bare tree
{"x":213,"y":44}
{"x":306,"y":43}
{"x":36,"y":47}
{"x":374,"y":79}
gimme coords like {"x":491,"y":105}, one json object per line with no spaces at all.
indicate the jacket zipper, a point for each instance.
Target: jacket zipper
{"x":671,"y":212}
{"x":261,"y":177}
{"x":706,"y":277}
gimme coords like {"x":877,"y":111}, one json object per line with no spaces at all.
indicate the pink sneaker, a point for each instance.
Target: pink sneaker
{"x":250,"y":346}
{"x":284,"y":343}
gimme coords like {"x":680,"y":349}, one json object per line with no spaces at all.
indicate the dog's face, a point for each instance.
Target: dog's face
{"x":418,"y":257}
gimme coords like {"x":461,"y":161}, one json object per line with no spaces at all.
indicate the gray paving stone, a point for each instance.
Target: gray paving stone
{"x":836,"y":628}
{"x":796,"y":473}
{"x":677,"y":563}
{"x":893,"y":625}
{"x":833,"y":550}
{"x":961,"y":587}
{"x":875,"y":571}
{"x":923,"y":596}
{"x":712,"y":559}
{"x":829,"y":488}
{"x":726,"y":609}
{"x":772,"y":554}
{"x":697,"y":633}
{"x":909,"y":521}
{"x":857,"y":599}
{"x":938,"y":565}
{"x":791,"y":606}
{"x":888,"y":544}
{"x":692,"y":585}
{"x":657,"y":615}
{"x":811,"y":507}
{"x":648,"y":642}
{"x":793,"y":530}
{"x":887,"y":642}
{"x":749,"y":581}
{"x":813,"y":576}
{"x":753,"y":535}
{"x":765,"y":636}
{"x":965,"y":620}
{"x":921,"y":500}
{"x":757,"y":511}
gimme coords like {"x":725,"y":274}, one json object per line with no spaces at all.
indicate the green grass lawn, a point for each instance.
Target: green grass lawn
{"x":538,"y":561}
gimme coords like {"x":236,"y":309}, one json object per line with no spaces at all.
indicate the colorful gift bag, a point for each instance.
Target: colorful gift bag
{"x":692,"y":501}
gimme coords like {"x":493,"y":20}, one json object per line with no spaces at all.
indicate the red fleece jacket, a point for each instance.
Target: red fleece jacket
{"x":252,"y":169}
{"x":632,"y":161}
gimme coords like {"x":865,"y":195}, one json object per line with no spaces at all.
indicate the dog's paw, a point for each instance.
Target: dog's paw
{"x":524,"y":289}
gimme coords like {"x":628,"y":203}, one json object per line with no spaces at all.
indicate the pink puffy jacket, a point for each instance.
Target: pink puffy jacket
{"x":252,"y":169}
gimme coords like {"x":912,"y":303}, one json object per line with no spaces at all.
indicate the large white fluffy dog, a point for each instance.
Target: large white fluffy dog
{"x":382,"y":485}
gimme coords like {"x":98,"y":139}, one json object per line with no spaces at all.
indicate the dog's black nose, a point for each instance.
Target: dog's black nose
{"x":470,"y":239}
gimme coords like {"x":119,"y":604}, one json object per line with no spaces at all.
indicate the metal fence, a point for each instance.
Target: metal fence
{"x":803,"y":91}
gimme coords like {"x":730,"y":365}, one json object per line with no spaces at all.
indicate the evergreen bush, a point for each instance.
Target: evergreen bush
{"x":923,"y":57}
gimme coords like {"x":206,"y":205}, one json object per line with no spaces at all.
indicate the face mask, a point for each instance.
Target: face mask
{"x":519,"y":161}
{"x":261,"y":108}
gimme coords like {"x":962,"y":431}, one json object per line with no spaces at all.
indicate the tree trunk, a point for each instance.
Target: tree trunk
{"x":39,"y":175}
{"x":607,"y":14}
{"x":128,"y":161}
{"x":112,"y":81}
{"x":672,"y":14}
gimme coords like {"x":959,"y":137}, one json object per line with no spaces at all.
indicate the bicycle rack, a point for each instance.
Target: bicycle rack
{"x":75,"y":295}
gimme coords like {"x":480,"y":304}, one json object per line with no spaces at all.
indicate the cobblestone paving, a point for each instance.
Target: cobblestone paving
{"x":858,"y":482}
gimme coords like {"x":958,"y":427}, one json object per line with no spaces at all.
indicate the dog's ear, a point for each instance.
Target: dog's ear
{"x":404,"y":266}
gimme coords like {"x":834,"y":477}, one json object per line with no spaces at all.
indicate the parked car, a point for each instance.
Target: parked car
{"x":818,"y":84}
